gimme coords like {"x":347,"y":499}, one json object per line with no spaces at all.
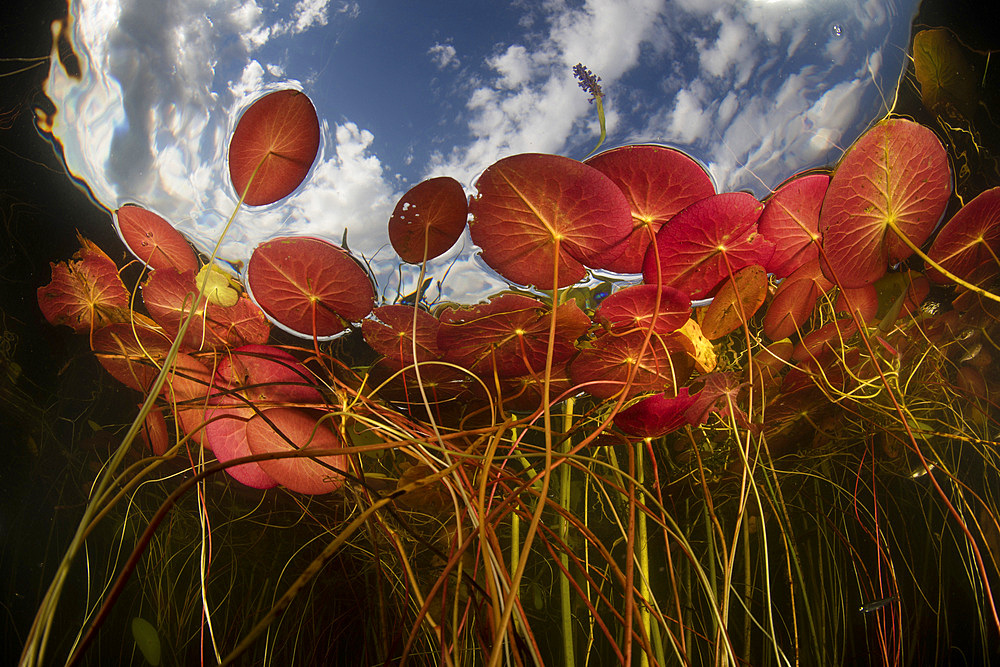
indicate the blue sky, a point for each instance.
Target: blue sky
{"x":755,"y":89}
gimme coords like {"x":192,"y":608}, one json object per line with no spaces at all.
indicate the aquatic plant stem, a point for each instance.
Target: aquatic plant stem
{"x":930,"y":262}
{"x":536,"y":515}
{"x":642,"y":547}
{"x":34,"y":649}
{"x":565,"y":602}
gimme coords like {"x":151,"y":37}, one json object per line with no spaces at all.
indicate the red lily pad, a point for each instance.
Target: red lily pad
{"x":719,"y":395}
{"x":655,"y":415}
{"x":706,"y":243}
{"x":265,"y":374}
{"x":538,"y":214}
{"x":864,"y":300}
{"x":260,"y":377}
{"x":736,"y":302}
{"x":309,"y":285}
{"x":154,"y":240}
{"x":603,"y":368}
{"x":154,"y":432}
{"x":509,"y":335}
{"x":390,"y":334}
{"x":290,"y":429}
{"x":894,"y":180}
{"x":169,"y":295}
{"x":634,"y":308}
{"x":428,"y":219}
{"x":278,"y":138}
{"x":188,"y":380}
{"x":794,"y":301}
{"x":226,"y":433}
{"x":791,"y":221}
{"x":968,"y":245}
{"x":130,"y":360}
{"x":85,"y":293}
{"x":658,"y":182}
{"x":828,"y":338}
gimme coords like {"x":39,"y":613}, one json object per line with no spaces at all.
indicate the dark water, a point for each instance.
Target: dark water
{"x":52,"y":392}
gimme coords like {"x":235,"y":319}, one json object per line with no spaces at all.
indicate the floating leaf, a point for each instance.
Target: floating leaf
{"x":428,"y":219}
{"x":968,"y":245}
{"x":794,"y":301}
{"x":655,"y":415}
{"x":535,"y":212}
{"x":707,"y":242}
{"x":391,"y":334}
{"x":309,"y":285}
{"x":290,"y":429}
{"x":791,"y":221}
{"x":509,"y":335}
{"x":278,"y":138}
{"x":85,"y":293}
{"x":133,"y":362}
{"x":736,"y":302}
{"x":944,"y":75}
{"x":894,"y":180}
{"x":154,"y":240}
{"x":604,"y":367}
{"x":658,"y":182}
{"x":169,"y":296}
{"x":634,"y":307}
{"x":220,"y":288}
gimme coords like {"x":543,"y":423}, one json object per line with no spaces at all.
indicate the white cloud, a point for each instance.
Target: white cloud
{"x":443,"y":55}
{"x":532,"y":103}
{"x":305,"y":15}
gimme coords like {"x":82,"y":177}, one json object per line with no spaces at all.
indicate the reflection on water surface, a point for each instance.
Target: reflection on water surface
{"x":756,"y":90}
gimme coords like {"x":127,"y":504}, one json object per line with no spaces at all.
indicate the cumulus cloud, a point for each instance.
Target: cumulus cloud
{"x":443,"y":55}
{"x":531,"y":101}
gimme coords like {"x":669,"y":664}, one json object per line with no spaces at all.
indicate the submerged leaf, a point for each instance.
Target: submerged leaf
{"x":509,"y":335}
{"x":86,"y":292}
{"x":737,"y":301}
{"x":289,"y":429}
{"x":655,"y":415}
{"x":944,"y":74}
{"x":603,"y":368}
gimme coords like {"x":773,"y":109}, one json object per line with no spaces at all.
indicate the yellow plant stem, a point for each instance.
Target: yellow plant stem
{"x":642,"y":547}
{"x":565,"y":499}
{"x":38,"y":635}
{"x":930,"y":262}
